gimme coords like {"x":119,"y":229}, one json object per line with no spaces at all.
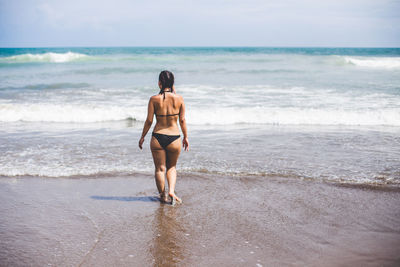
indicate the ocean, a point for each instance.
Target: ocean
{"x":318,"y":114}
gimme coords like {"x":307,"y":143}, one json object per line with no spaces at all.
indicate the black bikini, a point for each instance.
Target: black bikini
{"x":164,"y":139}
{"x":167,"y":115}
{"x":162,"y":91}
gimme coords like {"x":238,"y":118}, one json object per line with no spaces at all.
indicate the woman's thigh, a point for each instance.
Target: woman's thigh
{"x":159,"y":154}
{"x":173,"y":151}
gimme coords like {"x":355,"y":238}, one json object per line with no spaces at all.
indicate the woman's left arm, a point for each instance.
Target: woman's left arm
{"x":147,"y":123}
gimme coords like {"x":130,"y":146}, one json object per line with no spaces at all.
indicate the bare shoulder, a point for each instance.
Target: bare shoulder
{"x":154,"y":98}
{"x":178,"y":96}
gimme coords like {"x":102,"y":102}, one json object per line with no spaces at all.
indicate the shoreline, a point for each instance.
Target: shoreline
{"x":367,"y":185}
{"x":238,"y":221}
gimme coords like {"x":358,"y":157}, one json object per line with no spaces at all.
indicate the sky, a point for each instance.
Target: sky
{"x":326,"y":23}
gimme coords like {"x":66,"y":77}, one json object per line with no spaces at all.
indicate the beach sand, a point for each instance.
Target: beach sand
{"x":224,"y":221}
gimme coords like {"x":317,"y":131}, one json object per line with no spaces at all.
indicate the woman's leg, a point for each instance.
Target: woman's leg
{"x":173,"y":151}
{"x":159,"y":158}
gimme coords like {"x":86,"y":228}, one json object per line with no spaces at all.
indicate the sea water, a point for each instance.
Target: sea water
{"x":330,"y":114}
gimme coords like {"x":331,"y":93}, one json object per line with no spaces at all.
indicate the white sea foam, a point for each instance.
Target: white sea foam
{"x":46,"y":57}
{"x":64,"y":171}
{"x":211,"y":116}
{"x":64,"y":113}
{"x":294,"y":116}
{"x":374,"y":62}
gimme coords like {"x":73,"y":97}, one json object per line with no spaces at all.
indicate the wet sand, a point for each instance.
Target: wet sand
{"x":225,"y":221}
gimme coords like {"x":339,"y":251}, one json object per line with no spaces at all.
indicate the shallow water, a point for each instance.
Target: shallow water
{"x":366,"y":155}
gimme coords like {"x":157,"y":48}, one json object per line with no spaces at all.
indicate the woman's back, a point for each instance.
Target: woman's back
{"x":167,"y":111}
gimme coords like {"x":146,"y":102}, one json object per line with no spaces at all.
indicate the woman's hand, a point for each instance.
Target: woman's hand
{"x":141,"y":142}
{"x":185,"y":144}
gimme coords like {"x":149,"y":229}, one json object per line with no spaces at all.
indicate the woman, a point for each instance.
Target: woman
{"x":165,"y":140}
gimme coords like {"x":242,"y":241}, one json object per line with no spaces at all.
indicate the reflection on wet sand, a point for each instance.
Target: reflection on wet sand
{"x":167,"y":248}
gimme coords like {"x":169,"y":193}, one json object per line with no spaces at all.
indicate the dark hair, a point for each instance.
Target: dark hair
{"x":167,"y":80}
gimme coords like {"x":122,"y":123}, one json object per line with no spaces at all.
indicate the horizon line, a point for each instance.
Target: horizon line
{"x":217,"y":46}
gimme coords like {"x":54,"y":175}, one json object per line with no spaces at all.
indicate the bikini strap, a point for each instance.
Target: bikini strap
{"x":162,"y":91}
{"x":167,"y":115}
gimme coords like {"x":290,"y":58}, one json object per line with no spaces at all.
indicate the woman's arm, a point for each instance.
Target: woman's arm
{"x":147,"y":123}
{"x":182,"y":123}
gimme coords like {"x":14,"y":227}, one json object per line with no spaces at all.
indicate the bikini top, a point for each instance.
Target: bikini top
{"x":163,"y":92}
{"x":166,"y":115}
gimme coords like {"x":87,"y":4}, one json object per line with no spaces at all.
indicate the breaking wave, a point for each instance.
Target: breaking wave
{"x":64,"y":113}
{"x":215,"y":116}
{"x":46,"y":57}
{"x":374,"y":62}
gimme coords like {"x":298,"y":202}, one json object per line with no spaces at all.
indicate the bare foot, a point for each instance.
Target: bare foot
{"x":163,"y":197}
{"x":174,"y":198}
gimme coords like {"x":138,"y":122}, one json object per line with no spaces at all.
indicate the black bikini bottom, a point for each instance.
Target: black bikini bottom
{"x":164,"y":139}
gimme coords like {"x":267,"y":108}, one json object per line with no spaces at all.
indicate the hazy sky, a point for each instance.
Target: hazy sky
{"x":362,"y":23}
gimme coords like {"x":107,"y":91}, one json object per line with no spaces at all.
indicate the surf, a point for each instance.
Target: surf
{"x":45,"y":57}
{"x":374,"y":62}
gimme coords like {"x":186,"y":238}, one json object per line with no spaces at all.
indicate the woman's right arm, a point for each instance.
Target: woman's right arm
{"x":147,"y":123}
{"x":182,"y":123}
